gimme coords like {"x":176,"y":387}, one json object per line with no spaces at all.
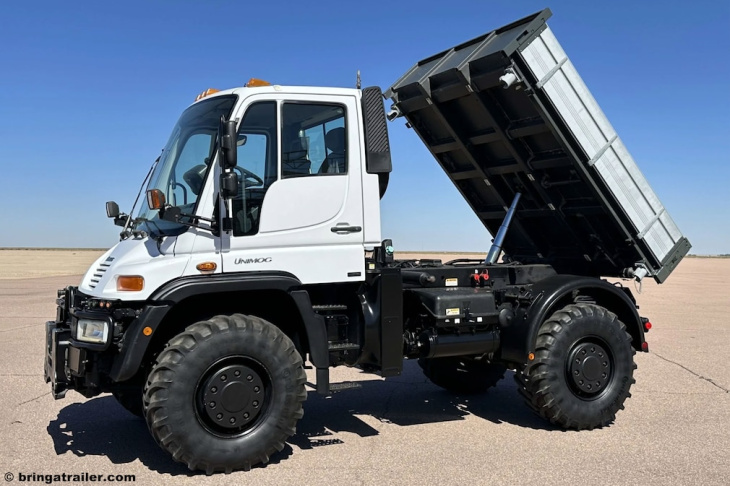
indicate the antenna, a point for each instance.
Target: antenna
{"x":358,"y":84}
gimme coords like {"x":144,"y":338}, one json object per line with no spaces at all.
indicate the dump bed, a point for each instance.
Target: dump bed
{"x":586,"y":209}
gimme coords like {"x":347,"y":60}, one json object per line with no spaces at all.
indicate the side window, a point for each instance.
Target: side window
{"x":190,"y":168}
{"x":314,"y":140}
{"x":257,"y":165}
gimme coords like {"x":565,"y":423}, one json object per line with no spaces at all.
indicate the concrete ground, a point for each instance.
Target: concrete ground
{"x":404,"y":430}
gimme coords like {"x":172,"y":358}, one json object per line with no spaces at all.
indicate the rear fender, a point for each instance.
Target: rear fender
{"x":554,"y":293}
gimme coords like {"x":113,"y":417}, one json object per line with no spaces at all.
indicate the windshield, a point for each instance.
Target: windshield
{"x":181,"y":171}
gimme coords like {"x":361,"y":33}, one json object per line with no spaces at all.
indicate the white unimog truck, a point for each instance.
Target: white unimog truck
{"x":257,"y":246}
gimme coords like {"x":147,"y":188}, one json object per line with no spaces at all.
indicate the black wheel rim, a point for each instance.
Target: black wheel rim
{"x":590,"y":368}
{"x":233,"y":395}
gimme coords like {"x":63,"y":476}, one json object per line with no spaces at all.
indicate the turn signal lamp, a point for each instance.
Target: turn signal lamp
{"x":130,"y":283}
{"x":206,"y":267}
{"x":256,"y":83}
{"x":205,"y":93}
{"x":155,"y":199}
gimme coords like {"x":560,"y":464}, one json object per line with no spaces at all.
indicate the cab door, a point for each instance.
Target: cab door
{"x":299,"y":208}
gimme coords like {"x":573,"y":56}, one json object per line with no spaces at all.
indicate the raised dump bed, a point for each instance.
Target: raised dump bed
{"x":507,"y":112}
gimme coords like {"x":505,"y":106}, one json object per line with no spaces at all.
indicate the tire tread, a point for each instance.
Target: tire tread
{"x":179,"y":347}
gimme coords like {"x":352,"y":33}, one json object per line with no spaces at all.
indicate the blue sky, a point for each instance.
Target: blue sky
{"x":89,"y":92}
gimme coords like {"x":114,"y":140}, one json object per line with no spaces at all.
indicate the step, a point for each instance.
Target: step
{"x":343,"y":347}
{"x":329,"y":308}
{"x":345,"y":385}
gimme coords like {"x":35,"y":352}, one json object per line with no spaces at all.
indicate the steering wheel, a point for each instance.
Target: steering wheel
{"x":249,"y":178}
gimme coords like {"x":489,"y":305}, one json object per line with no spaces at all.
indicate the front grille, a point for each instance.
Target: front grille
{"x":99,"y":272}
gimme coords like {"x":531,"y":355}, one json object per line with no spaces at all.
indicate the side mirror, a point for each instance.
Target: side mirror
{"x":229,"y":185}
{"x":112,"y":209}
{"x":155,"y":199}
{"x":228,"y":143}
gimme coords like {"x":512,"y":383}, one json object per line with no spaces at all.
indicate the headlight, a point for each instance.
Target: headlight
{"x":92,"y":331}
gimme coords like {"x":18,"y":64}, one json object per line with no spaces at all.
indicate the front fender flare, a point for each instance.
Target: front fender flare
{"x":164,"y":299}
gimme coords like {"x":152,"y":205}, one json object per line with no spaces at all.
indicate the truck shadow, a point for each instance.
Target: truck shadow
{"x":101,"y":427}
{"x":407,"y":400}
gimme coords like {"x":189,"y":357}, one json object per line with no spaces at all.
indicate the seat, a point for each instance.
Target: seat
{"x":335,"y":162}
{"x":295,"y":162}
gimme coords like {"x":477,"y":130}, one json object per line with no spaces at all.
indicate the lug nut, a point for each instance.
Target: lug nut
{"x":249,"y":378}
{"x":219,"y":416}
{"x":223,"y":377}
{"x":214,"y":389}
{"x":232,"y":420}
{"x":255,"y":403}
{"x":245,"y":415}
{"x":256,"y":389}
{"x":212,"y":404}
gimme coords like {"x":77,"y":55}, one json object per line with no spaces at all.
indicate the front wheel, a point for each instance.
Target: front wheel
{"x":583,"y":368}
{"x":225,"y":394}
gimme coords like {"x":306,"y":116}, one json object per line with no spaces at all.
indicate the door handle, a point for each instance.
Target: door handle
{"x":346,"y":229}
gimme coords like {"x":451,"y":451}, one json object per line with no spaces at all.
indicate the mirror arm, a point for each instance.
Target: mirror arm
{"x":121,"y":219}
{"x":171,"y":213}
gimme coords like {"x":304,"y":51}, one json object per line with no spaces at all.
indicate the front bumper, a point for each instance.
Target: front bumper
{"x":88,"y":367}
{"x":57,"y":344}
{"x":66,"y":360}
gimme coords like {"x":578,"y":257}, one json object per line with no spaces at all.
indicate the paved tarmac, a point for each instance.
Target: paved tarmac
{"x":405,"y":430}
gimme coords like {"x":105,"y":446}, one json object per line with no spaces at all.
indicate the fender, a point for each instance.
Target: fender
{"x":163,"y":300}
{"x":519,"y":338}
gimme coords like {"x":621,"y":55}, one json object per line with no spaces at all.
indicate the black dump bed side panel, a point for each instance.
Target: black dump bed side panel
{"x":493,"y":142}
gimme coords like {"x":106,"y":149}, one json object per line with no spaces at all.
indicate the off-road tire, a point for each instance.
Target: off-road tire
{"x":565,"y":383}
{"x":185,"y":379}
{"x":462,"y":375}
{"x":131,"y":400}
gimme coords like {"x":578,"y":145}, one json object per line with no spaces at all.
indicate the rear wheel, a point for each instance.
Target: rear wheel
{"x":583,"y":368}
{"x":225,"y":394}
{"x":460,"y":374}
